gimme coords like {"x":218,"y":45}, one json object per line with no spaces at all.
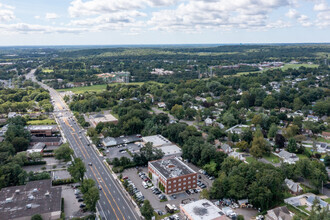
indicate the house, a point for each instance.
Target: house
{"x":220,"y":125}
{"x":161,"y":105}
{"x":305,"y":200}
{"x":36,"y":197}
{"x":226,"y":148}
{"x":37,"y":148}
{"x":208,"y":122}
{"x":105,"y":117}
{"x":279,"y":213}
{"x":285,"y":110}
{"x":13,"y":114}
{"x":290,"y":158}
{"x":310,"y":200}
{"x":172,"y":175}
{"x":294,"y":188}
{"x":312,"y":118}
{"x":326,"y":135}
{"x":238,"y":129}
{"x":202,"y":210}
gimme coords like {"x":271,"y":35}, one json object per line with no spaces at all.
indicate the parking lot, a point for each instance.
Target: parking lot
{"x":51,"y":163}
{"x":71,"y":204}
{"x":133,"y":175}
{"x":121,"y":151}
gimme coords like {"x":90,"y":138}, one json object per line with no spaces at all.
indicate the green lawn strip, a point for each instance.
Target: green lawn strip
{"x":42,"y":122}
{"x":296,"y":211}
{"x":272,"y":158}
{"x":250,"y":159}
{"x":327,"y":200}
{"x":158,"y":217}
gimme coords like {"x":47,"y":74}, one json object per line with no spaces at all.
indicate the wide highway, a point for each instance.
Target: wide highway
{"x":113,"y":203}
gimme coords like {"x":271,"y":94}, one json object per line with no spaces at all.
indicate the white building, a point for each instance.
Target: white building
{"x":202,"y":210}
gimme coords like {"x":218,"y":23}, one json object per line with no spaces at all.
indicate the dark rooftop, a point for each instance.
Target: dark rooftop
{"x":36,"y":197}
{"x":171,"y":167}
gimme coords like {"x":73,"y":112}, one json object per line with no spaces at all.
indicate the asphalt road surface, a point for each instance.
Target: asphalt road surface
{"x":113,"y":203}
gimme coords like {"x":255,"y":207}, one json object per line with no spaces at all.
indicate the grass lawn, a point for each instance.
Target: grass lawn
{"x":296,"y":211}
{"x":327,"y":200}
{"x":42,"y":122}
{"x":321,"y":139}
{"x":285,"y":67}
{"x":163,"y":216}
{"x":250,"y":159}
{"x":98,"y":88}
{"x":272,"y":158}
{"x":302,"y":156}
{"x":46,"y":70}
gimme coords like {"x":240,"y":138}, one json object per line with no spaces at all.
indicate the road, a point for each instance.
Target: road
{"x":113,"y":203}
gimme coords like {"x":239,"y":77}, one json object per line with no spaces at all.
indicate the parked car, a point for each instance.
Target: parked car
{"x":188,"y":192}
{"x":82,"y":205}
{"x":80,"y":200}
{"x":191,"y":191}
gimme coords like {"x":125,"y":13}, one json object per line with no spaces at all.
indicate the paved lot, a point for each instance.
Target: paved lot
{"x":118,"y":152}
{"x":246,"y":212}
{"x":51,"y":162}
{"x":132,"y":174}
{"x":71,"y":204}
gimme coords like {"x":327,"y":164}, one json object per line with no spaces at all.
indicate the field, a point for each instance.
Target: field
{"x":96,"y":88}
{"x":46,"y":70}
{"x":42,"y":122}
{"x":272,"y":158}
{"x":285,"y":67}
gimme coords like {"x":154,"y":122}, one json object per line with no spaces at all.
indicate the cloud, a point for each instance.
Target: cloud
{"x":6,"y":13}
{"x":194,"y":16}
{"x":37,"y":17}
{"x":50,"y":16}
{"x":25,"y":28}
{"x":302,"y":19}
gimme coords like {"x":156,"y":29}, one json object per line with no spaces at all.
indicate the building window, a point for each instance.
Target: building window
{"x":194,"y":181}
{"x":180,"y":180}
{"x":179,"y":189}
{"x":169,"y":182}
{"x":179,"y":184}
{"x":169,"y":187}
{"x":169,"y":191}
{"x":184,"y":187}
{"x":174,"y":185}
{"x":189,"y":178}
{"x":184,"y":178}
{"x":194,"y":177}
{"x":174,"y":181}
{"x":184,"y":183}
{"x":174,"y":190}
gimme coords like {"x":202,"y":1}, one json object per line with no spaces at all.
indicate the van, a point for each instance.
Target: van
{"x":169,"y":208}
{"x":144,"y":184}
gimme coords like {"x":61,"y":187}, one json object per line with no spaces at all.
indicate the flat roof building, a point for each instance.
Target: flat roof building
{"x":42,"y":130}
{"x":168,"y":148}
{"x":100,"y":117}
{"x":172,"y":175}
{"x":37,"y":148}
{"x":36,"y":197}
{"x":202,"y":210}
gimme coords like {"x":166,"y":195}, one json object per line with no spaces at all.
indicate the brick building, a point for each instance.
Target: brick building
{"x":172,"y":175}
{"x":43,"y":130}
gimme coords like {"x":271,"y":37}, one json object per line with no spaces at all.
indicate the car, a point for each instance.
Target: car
{"x":191,"y":191}
{"x":90,"y":164}
{"x":203,"y":186}
{"x":212,"y":178}
{"x":125,"y":177}
{"x":100,"y":187}
{"x":160,"y":213}
{"x":80,"y":200}
{"x":188,"y":192}
{"x":78,"y":196}
{"x":195,"y":191}
{"x":161,"y":196}
{"x":158,"y":192}
{"x":198,"y":190}
{"x":82,"y":205}
{"x":173,"y":196}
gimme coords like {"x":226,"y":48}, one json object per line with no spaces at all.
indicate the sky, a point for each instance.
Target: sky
{"x":118,"y":22}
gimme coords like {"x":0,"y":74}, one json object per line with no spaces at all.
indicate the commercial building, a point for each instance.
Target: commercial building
{"x":202,"y":210}
{"x":37,"y":148}
{"x":168,"y":148}
{"x":105,"y":118}
{"x":43,"y":130}
{"x":36,"y":197}
{"x":48,"y":141}
{"x":172,"y":175}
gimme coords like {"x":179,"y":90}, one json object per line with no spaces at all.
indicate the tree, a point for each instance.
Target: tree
{"x":177,"y":111}
{"x":260,"y":146}
{"x":20,"y":144}
{"x":77,"y":169}
{"x":36,"y":217}
{"x":146,"y":210}
{"x":242,"y":145}
{"x":35,"y":156}
{"x":279,"y":140}
{"x":86,"y":185}
{"x":272,"y":131}
{"x":257,"y":119}
{"x":204,"y":194}
{"x":64,"y":152}
{"x":91,"y":197}
{"x":247,"y":135}
{"x":290,"y":131}
{"x":292,"y":145}
{"x":327,"y":161}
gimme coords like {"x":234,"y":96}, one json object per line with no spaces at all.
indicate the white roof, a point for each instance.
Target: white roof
{"x":156,"y":140}
{"x":202,"y":210}
{"x":170,"y":149}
